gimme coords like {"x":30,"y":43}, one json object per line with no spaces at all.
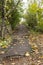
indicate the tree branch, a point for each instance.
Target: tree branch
{"x":7,"y":14}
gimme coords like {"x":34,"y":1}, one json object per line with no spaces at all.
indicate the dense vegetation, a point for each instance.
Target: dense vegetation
{"x":11,"y":13}
{"x":34,"y":16}
{"x":15,"y":15}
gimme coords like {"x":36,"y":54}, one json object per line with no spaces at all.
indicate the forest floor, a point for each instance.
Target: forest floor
{"x":28,"y":45}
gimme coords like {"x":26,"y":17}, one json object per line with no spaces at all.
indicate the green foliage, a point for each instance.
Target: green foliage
{"x":12,"y":19}
{"x":31,"y":18}
{"x":34,"y":17}
{"x":40,"y":19}
{"x":33,"y":8}
{"x":15,"y":15}
{"x":32,"y":21}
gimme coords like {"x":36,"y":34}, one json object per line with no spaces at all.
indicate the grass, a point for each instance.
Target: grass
{"x":4,"y":43}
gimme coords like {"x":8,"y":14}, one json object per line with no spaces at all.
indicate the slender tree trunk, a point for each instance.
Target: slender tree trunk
{"x":3,"y":20}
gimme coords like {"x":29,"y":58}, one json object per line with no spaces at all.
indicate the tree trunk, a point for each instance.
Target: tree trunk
{"x":3,"y":20}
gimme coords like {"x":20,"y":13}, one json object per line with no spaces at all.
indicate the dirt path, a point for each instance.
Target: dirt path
{"x":22,"y":45}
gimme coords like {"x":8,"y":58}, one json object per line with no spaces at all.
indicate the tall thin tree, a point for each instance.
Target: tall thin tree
{"x":3,"y":18}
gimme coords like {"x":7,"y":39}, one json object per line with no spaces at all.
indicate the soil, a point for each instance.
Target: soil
{"x":26,"y":50}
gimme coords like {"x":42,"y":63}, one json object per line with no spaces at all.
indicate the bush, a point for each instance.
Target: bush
{"x":32,"y":21}
{"x":34,"y":17}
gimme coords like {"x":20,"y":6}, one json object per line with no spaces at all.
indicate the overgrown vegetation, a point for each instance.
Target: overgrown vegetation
{"x":34,"y":17}
{"x":11,"y":13}
{"x":15,"y":15}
